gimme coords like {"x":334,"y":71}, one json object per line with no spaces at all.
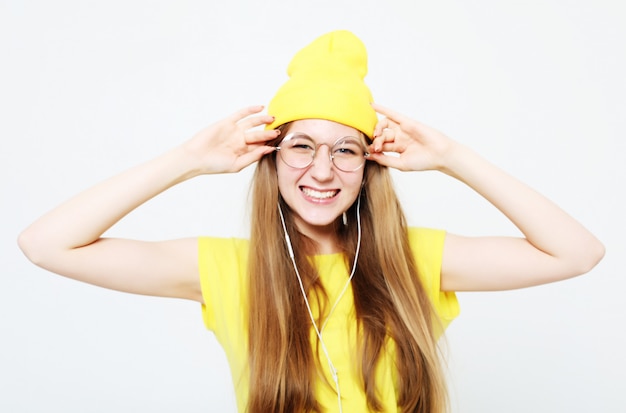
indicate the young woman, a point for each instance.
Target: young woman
{"x":334,"y":303}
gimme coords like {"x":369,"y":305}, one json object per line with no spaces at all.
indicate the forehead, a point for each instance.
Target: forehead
{"x":323,"y":130}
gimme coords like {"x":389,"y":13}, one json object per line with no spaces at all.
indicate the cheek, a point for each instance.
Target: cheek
{"x":281,"y":185}
{"x":285,"y":177}
{"x":355,"y":181}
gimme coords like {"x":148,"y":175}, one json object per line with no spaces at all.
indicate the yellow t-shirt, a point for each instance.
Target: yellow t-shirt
{"x":223,"y":272}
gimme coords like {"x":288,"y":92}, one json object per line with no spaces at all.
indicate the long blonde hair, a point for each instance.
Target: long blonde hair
{"x":390,"y":302}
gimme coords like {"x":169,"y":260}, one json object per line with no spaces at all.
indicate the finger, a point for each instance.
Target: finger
{"x":261,"y":136}
{"x":390,"y":114}
{"x":252,"y":156}
{"x":390,"y":134}
{"x":378,"y":143}
{"x":392,"y":160}
{"x":254,"y":121}
{"x":380,"y":126}
{"x":383,"y":124}
{"x":385,"y":136}
{"x":394,"y":147}
{"x":245,"y":112}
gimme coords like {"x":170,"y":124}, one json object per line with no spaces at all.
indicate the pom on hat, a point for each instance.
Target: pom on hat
{"x":326,"y":81}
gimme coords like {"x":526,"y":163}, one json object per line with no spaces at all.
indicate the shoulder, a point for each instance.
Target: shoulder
{"x":427,"y":245}
{"x":220,"y":256}
{"x":427,"y":248}
{"x":222,"y":267}
{"x":426,"y":240}
{"x":213,"y":245}
{"x":216,"y":255}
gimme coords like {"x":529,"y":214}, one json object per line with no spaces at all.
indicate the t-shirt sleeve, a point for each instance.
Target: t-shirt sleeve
{"x":221,"y":265}
{"x":427,"y":245}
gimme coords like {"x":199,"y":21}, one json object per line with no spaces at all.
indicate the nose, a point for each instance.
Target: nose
{"x":322,"y":166}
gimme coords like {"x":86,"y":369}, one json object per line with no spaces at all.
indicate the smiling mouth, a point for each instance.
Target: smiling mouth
{"x":319,"y":194}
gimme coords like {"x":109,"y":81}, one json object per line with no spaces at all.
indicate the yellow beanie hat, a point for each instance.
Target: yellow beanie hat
{"x":326,"y":82}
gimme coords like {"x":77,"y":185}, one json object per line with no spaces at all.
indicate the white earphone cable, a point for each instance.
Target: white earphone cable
{"x":318,"y":332}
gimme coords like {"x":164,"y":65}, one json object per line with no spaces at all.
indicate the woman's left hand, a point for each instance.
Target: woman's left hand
{"x":554,"y":247}
{"x":418,"y":147}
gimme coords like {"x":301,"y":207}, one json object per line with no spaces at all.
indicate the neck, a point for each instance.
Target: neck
{"x":324,"y":237}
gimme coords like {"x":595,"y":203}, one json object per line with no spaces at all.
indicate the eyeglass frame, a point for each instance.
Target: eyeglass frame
{"x":290,"y":135}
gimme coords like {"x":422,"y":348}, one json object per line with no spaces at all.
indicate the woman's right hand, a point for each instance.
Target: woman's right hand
{"x":69,"y":239}
{"x":233,"y":143}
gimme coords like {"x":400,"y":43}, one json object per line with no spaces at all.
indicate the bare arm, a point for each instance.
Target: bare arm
{"x":68,"y":240}
{"x":555,"y":246}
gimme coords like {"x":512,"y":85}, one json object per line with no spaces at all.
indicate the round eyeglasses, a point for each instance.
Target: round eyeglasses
{"x":298,"y":150}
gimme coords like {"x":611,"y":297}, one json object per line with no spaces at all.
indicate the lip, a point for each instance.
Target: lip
{"x":319,"y":196}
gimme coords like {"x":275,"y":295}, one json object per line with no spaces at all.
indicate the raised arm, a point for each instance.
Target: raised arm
{"x":68,"y":240}
{"x":555,"y":246}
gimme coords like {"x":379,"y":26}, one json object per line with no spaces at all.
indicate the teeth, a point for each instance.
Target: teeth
{"x":318,"y":194}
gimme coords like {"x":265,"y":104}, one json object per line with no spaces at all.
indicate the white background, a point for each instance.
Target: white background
{"x":88,"y":89}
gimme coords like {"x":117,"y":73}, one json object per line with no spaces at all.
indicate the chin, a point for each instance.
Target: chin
{"x":317,"y":221}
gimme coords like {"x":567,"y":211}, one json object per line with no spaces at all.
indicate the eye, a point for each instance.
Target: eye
{"x":348,"y":147}
{"x":301,"y":143}
{"x":345,"y":151}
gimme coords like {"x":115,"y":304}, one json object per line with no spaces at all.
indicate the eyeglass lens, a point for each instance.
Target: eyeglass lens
{"x":298,"y":151}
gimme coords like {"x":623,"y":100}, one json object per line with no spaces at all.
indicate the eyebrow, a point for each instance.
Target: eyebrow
{"x":360,"y":136}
